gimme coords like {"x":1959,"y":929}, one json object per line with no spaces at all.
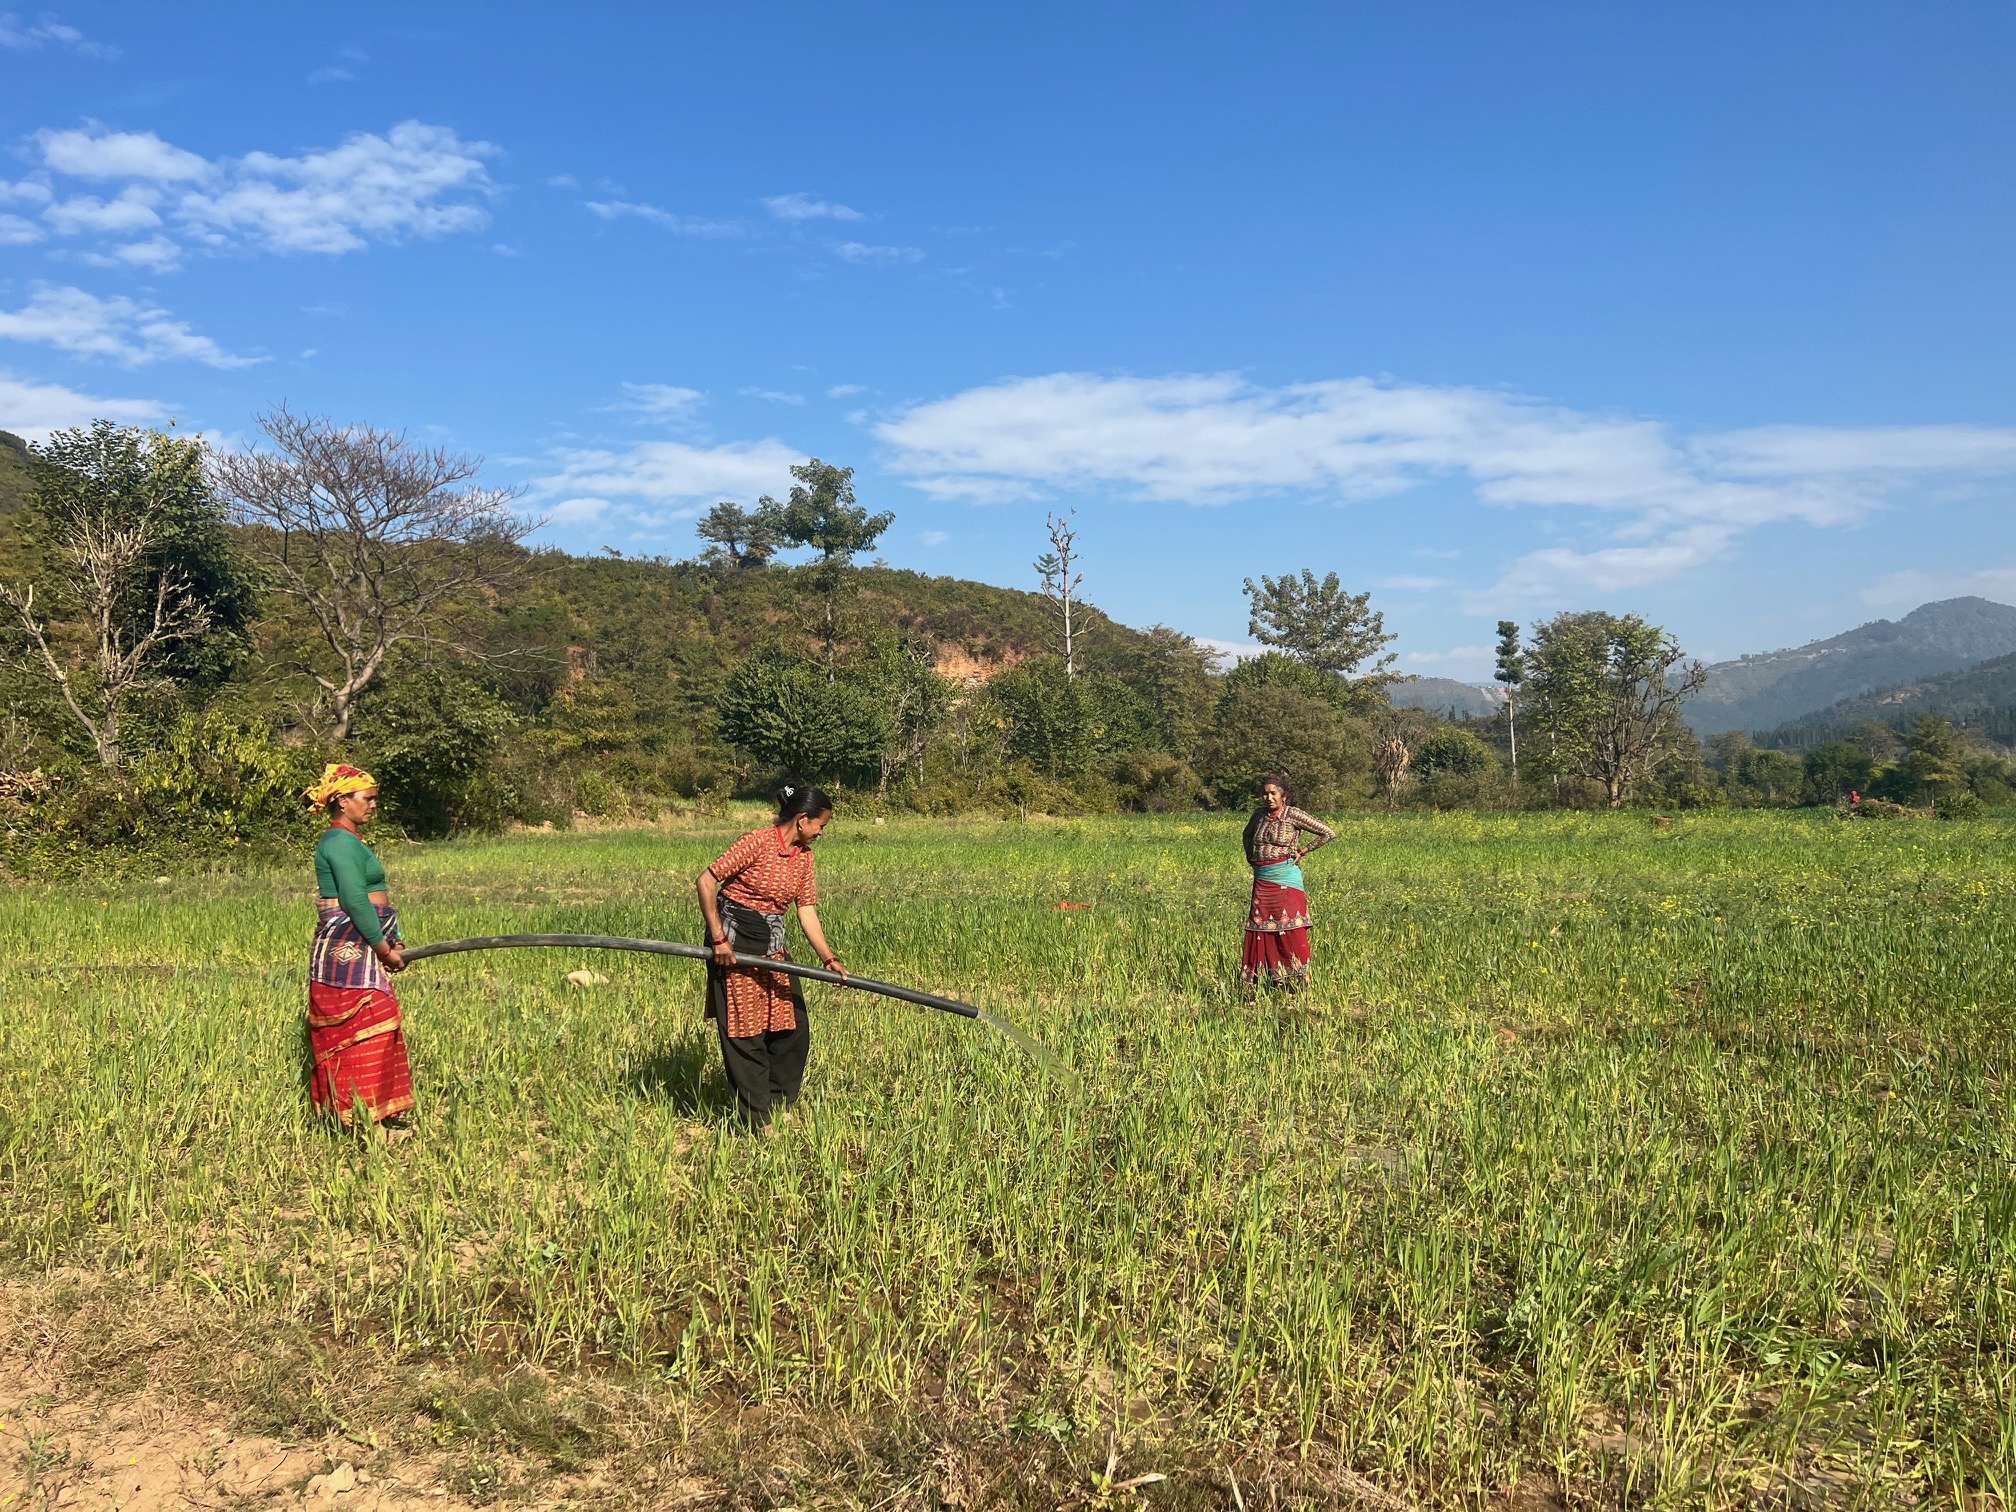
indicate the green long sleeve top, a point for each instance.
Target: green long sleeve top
{"x":348,"y":871}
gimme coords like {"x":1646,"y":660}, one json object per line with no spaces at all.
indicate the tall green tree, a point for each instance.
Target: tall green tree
{"x":133,"y":581}
{"x":821,"y":514}
{"x":1511,"y":675}
{"x":1325,"y":628}
{"x":738,"y":537}
{"x":1606,"y":691}
{"x":786,"y":715}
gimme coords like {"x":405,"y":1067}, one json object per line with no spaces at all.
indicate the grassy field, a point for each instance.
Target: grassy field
{"x":1634,"y":1164}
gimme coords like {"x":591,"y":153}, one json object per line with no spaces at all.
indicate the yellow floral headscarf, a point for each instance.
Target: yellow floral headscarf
{"x":336,"y":780}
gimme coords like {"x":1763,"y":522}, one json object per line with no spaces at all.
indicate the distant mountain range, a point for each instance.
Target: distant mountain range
{"x":1442,"y":695}
{"x":1981,"y":697}
{"x":1776,"y":688}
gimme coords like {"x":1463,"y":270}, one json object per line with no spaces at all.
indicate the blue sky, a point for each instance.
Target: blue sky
{"x":1699,"y":311}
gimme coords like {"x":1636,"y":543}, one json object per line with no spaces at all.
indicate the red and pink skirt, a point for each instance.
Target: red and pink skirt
{"x":1277,"y":936}
{"x":360,"y":1052}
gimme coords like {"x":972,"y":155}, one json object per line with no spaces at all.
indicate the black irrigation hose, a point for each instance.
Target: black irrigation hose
{"x":694,"y":953}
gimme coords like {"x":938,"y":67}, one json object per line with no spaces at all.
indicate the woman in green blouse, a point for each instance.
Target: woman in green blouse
{"x":354,"y":1025}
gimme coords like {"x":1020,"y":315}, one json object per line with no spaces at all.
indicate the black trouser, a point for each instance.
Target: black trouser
{"x":768,"y":1069}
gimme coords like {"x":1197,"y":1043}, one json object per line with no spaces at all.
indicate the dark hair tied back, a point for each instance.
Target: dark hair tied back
{"x":802,"y":800}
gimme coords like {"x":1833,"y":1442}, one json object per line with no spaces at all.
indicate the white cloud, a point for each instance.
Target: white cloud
{"x":33,"y":410}
{"x":1410,"y":583}
{"x":682,"y":225}
{"x":845,"y":390}
{"x":16,"y":232}
{"x":1229,"y":650}
{"x":27,"y":191}
{"x":659,"y":401}
{"x":860,"y":252}
{"x":1912,"y":587}
{"x":563,"y":181}
{"x":131,"y":210}
{"x":935,"y":537}
{"x":1469,"y":655}
{"x":21,"y":36}
{"x":802,"y":207}
{"x":93,"y":152}
{"x":332,"y":75}
{"x":377,"y":187}
{"x":774,"y":396}
{"x":1671,"y":502}
{"x":660,"y":480}
{"x":415,"y":180}
{"x":121,"y":329}
{"x":157,"y":254}
{"x":577,"y":511}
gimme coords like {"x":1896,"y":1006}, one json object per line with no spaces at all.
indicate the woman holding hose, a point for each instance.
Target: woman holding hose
{"x":743,"y":897}
{"x":354,"y":1026}
{"x":1277,"y":922}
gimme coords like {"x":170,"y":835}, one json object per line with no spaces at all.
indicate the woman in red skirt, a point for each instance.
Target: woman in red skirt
{"x":1277,"y":924}
{"x":354,"y":1025}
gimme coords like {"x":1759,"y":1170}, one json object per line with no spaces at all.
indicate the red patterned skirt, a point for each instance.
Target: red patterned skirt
{"x":360,"y":1052}
{"x":1277,"y":936}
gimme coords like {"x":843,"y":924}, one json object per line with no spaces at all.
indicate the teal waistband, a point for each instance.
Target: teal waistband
{"x":1280,"y":873}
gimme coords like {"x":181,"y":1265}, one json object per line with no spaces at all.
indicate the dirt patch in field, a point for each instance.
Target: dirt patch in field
{"x":150,"y":1452}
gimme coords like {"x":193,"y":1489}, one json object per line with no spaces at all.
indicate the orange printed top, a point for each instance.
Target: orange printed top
{"x":766,"y":872}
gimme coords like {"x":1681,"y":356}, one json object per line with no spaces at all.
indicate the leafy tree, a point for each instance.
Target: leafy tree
{"x":1172,"y":675}
{"x":138,"y":583}
{"x":1277,"y":669}
{"x":1934,"y":763}
{"x":821,"y":514}
{"x":1276,"y":728}
{"x":1322,"y":626}
{"x":1060,"y":724}
{"x":375,"y":540}
{"x":1772,"y":779}
{"x":1835,"y":770}
{"x":786,"y":715}
{"x":1451,"y":752}
{"x":741,"y":537}
{"x":1601,"y":689}
{"x":1726,"y":749}
{"x":901,"y":673}
{"x":430,"y":734}
{"x":1511,"y":672}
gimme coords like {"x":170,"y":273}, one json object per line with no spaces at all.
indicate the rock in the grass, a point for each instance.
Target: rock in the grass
{"x":587,"y":979}
{"x":163,"y":881}
{"x":343,"y":1477}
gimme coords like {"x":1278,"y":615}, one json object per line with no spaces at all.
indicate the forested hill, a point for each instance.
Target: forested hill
{"x":1765,"y":691}
{"x":1981,"y":698}
{"x":683,"y":624}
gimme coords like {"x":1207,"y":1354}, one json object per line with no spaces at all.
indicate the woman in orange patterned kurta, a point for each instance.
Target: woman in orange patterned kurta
{"x":743,"y":897}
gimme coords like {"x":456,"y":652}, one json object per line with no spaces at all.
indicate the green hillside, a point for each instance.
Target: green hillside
{"x":1766,"y":691}
{"x":1980,"y":698}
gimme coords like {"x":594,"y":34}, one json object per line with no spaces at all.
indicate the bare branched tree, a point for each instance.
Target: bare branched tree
{"x":376,"y":537}
{"x":105,"y":559}
{"x":1390,"y":760}
{"x":1060,"y":582}
{"x":113,"y":611}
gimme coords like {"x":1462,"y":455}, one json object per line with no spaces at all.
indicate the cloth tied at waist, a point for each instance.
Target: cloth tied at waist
{"x":1281,"y":874}
{"x":752,"y":931}
{"x":342,"y":957}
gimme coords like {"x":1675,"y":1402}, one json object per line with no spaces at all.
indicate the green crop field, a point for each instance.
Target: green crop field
{"x":1640,"y":1164}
